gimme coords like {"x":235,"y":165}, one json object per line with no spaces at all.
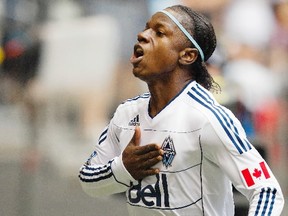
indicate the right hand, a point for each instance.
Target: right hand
{"x":139,"y":160}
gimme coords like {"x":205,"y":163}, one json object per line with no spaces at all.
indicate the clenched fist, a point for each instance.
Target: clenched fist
{"x":139,"y":160}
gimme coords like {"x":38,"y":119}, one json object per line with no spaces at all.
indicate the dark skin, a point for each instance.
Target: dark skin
{"x":161,"y":58}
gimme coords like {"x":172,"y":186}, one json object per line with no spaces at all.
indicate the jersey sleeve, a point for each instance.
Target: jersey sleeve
{"x":104,"y":172}
{"x":247,"y":170}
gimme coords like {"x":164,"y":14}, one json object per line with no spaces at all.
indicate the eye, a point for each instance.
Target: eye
{"x":160,"y":33}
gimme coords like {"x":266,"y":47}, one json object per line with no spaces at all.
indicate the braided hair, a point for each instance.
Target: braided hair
{"x":203,"y":32}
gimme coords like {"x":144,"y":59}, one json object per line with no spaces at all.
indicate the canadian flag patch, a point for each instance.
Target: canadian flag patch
{"x":255,"y":174}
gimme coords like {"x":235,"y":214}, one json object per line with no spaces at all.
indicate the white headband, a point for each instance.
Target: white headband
{"x":185,"y":32}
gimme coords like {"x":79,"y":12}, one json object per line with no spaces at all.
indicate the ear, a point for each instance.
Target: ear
{"x":188,"y":56}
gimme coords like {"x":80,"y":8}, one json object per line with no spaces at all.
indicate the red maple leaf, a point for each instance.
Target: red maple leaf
{"x":257,"y":173}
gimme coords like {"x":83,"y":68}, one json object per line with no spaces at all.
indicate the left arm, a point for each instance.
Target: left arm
{"x":247,"y":170}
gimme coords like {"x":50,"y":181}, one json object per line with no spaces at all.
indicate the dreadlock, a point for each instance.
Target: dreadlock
{"x":203,"y":32}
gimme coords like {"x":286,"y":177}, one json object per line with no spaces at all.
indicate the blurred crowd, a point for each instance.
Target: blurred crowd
{"x":66,"y":64}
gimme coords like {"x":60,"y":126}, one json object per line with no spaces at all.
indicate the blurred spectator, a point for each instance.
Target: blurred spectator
{"x":279,"y":64}
{"x":279,"y":41}
{"x":21,"y":46}
{"x":77,"y":68}
{"x":130,"y":16}
{"x":22,"y":52}
{"x":243,"y":23}
{"x":254,"y":85}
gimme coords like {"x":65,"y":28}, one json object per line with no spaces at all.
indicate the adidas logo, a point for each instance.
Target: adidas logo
{"x":135,"y":121}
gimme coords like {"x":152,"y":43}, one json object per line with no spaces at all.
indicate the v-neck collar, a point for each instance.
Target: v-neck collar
{"x":176,"y":96}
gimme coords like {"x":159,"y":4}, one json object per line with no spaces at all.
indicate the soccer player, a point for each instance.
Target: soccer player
{"x":175,"y":150}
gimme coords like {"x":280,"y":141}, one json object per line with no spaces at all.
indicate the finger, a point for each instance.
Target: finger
{"x":147,"y":164}
{"x":136,"y":137}
{"x":141,"y":174}
{"x":151,"y":154}
{"x":149,"y":172}
{"x":147,"y":149}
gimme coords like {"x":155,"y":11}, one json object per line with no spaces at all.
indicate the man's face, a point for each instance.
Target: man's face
{"x":158,"y":47}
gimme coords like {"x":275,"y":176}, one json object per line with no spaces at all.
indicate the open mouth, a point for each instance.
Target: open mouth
{"x":137,"y":54}
{"x":138,"y":51}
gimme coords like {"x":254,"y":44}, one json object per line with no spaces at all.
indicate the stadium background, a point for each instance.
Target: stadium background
{"x":64,"y":67}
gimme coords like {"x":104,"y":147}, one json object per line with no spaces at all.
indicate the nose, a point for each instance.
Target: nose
{"x":143,"y":36}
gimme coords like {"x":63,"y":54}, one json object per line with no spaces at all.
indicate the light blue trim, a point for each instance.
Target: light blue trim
{"x":185,"y":32}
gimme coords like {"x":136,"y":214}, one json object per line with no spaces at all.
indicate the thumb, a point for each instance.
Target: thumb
{"x":136,"y":137}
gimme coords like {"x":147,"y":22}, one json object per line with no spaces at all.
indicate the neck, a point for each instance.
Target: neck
{"x":163,"y":92}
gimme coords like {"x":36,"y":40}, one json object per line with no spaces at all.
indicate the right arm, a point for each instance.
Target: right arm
{"x":106,"y":171}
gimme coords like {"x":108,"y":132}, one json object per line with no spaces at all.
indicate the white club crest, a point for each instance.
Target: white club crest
{"x":169,"y":151}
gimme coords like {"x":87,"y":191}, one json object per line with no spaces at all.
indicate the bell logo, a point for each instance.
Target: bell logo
{"x":152,"y":195}
{"x":257,"y":174}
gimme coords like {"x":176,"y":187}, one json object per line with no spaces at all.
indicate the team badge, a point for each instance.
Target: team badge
{"x":169,"y":151}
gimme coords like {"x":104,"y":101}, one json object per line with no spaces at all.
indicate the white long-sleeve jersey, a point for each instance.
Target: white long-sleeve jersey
{"x":206,"y":150}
